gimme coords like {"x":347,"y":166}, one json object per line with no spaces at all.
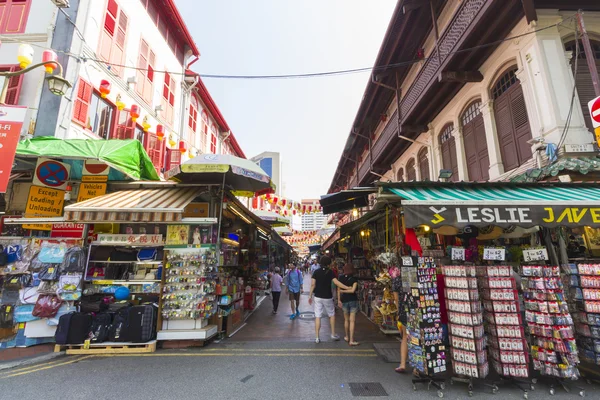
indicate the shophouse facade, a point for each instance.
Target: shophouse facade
{"x":482,"y":95}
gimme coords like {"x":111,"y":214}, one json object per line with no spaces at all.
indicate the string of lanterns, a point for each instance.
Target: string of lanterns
{"x":287,"y":207}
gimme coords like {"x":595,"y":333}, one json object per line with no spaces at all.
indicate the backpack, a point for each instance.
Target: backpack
{"x":7,"y":316}
{"x":74,"y":261}
{"x":13,"y":252}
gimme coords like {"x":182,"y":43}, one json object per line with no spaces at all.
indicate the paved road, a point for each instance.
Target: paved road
{"x":267,"y":370}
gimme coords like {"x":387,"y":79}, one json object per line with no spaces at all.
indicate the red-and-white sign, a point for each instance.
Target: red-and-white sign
{"x":67,"y":230}
{"x":594,"y":106}
{"x":95,"y":171}
{"x":11,"y":122}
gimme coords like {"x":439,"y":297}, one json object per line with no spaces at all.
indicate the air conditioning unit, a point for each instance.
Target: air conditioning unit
{"x":61,"y":3}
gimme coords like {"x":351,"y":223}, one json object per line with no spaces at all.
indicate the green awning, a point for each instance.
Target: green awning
{"x":127,"y":158}
{"x":500,"y":204}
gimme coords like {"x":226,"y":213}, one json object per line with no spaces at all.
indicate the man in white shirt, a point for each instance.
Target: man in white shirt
{"x":314,"y":267}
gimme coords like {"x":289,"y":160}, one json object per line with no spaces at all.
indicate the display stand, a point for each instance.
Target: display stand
{"x":426,"y":349}
{"x":553,"y":346}
{"x":466,"y":333}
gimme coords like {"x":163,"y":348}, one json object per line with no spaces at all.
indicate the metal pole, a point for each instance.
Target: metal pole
{"x":220,"y":221}
{"x":589,"y":53}
{"x":4,"y":90}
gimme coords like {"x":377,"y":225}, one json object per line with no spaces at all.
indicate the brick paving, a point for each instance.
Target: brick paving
{"x":263,"y":325}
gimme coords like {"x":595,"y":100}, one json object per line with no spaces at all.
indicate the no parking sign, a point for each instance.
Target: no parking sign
{"x":52,"y":174}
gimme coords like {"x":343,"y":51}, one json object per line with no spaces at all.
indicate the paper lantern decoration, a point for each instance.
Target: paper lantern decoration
{"x":25,"y":56}
{"x":182,"y":148}
{"x":145,"y":124}
{"x":119,"y":103}
{"x":104,"y":88}
{"x":275,"y":200}
{"x":172,"y":141}
{"x":160,"y":132}
{"x":49,"y":58}
{"x":283,"y":202}
{"x":134,"y":111}
{"x":294,"y":212}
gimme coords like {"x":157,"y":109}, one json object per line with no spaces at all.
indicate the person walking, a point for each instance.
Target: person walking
{"x":320,"y":288}
{"x":314,"y":266}
{"x":348,"y":302}
{"x":294,"y":283}
{"x":276,"y":281}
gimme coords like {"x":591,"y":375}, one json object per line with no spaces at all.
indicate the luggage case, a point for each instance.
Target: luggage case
{"x":100,"y":327}
{"x":118,"y":328}
{"x":142,"y":323}
{"x":73,"y":328}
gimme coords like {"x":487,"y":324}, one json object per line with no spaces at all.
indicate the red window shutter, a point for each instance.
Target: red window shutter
{"x":13,"y":15}
{"x":82,"y":102}
{"x":14,"y":84}
{"x":107,"y":35}
{"x":118,"y":44}
{"x":173,"y":158}
{"x":125,"y":127}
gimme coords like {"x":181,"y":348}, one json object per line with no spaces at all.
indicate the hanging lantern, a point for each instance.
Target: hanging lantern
{"x":172,"y":141}
{"x":25,"y":55}
{"x":182,"y":148}
{"x":50,"y":58}
{"x":283,"y":202}
{"x":275,"y":200}
{"x":294,"y":212}
{"x":104,"y":88}
{"x":160,"y":132}
{"x":134,"y":111}
{"x":145,"y":124}
{"x":268,"y":196}
{"x":119,"y":103}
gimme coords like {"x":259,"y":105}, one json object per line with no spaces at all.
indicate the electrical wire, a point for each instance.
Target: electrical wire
{"x":373,"y":69}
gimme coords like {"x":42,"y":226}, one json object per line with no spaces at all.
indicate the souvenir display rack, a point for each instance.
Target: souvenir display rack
{"x":426,"y":349}
{"x":553,"y":345}
{"x":465,"y":326}
{"x":507,"y":346}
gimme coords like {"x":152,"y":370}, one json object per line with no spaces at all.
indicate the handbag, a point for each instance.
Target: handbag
{"x":48,"y":287}
{"x":7,"y":316}
{"x":47,"y":306}
{"x":24,"y":313}
{"x":3,"y":257}
{"x":17,"y":281}
{"x":52,"y":253}
{"x":13,"y":253}
{"x":49,"y":273}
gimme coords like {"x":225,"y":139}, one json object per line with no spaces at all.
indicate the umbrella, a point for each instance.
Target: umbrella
{"x":237,"y":173}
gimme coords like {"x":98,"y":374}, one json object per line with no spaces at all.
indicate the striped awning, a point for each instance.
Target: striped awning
{"x":499,"y":204}
{"x":144,"y":205}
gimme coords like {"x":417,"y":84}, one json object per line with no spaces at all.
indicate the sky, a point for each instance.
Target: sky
{"x":306,"y":120}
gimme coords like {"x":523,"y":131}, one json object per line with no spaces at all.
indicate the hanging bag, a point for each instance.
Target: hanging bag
{"x":7,"y":316}
{"x":74,"y":261}
{"x":13,"y":253}
{"x":52,"y":253}
{"x":49,"y":272}
{"x":47,"y":306}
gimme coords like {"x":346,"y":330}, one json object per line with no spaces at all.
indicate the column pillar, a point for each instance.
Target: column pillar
{"x":496,"y":167}
{"x":461,"y":156}
{"x":435,"y":154}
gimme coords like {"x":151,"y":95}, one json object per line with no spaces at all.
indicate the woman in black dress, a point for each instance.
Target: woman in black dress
{"x":401,"y":302}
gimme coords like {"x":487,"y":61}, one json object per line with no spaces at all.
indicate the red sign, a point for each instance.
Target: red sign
{"x":594,"y":107}
{"x":11,"y":122}
{"x":67,"y":230}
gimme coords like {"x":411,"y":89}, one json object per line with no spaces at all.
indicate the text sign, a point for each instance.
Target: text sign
{"x":44,"y":202}
{"x":51,"y":173}
{"x":594,"y":107}
{"x":407,"y":261}
{"x":89,"y":190}
{"x":458,"y":253}
{"x":494,"y":254}
{"x":539,"y":254}
{"x":11,"y":122}
{"x":67,"y":230}
{"x":130,"y":239}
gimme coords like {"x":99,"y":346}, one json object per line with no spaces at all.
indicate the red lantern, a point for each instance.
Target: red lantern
{"x":275,"y":199}
{"x":182,"y":148}
{"x":134,"y":111}
{"x":283,"y":202}
{"x":104,"y":88}
{"x":160,"y":132}
{"x":268,"y":196}
{"x":49,"y":58}
{"x":294,"y":212}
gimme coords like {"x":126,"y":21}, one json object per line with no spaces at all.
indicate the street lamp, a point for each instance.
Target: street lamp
{"x":56,"y":83}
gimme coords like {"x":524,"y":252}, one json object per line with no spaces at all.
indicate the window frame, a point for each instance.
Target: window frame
{"x":24,"y":17}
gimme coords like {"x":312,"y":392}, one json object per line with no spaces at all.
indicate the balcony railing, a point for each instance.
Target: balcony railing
{"x":390,"y":131}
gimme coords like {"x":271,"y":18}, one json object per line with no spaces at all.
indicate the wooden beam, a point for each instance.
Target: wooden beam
{"x":410,"y":5}
{"x":529,"y":9}
{"x":460,"y":76}
{"x":413,"y":129}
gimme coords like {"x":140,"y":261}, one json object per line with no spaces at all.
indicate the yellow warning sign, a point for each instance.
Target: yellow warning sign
{"x":44,"y":202}
{"x":89,"y":190}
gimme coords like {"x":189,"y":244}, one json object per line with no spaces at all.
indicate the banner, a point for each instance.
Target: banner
{"x":501,"y":215}
{"x":11,"y":122}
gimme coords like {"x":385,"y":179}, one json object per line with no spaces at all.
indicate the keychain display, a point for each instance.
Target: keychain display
{"x":189,"y":288}
{"x":553,"y":345}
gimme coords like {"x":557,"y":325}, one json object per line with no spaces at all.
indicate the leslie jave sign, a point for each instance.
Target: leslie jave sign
{"x":501,"y":215}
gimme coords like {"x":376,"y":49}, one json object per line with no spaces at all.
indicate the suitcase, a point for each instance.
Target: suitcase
{"x":73,"y":328}
{"x":142,"y":323}
{"x":118,"y":328}
{"x":100,"y":327}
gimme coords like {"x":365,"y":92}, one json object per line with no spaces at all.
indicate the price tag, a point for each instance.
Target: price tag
{"x":458,"y":253}
{"x":407,"y":261}
{"x":535,"y":254}
{"x":494,"y":254}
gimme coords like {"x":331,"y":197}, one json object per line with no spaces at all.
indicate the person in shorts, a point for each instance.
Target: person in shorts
{"x":348,"y":301}
{"x":323,"y":296}
{"x":294,"y":283}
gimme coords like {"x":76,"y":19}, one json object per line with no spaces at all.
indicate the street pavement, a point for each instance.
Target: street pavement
{"x":270,"y":358}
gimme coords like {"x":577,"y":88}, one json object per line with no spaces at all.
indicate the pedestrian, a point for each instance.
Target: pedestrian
{"x":320,"y":288}
{"x":276,"y":281}
{"x":348,"y":302}
{"x":294,"y":283}
{"x":315,"y":266}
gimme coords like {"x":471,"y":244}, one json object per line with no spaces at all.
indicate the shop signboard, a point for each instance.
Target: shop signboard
{"x":196,"y":210}
{"x":125,"y":239}
{"x":67,"y":230}
{"x":504,"y":216}
{"x":95,"y":171}
{"x":11,"y":122}
{"x":43,"y":202}
{"x":51,"y":173}
{"x":89,"y":190}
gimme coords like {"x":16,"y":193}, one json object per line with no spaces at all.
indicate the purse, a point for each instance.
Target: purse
{"x":47,"y":306}
{"x":49,"y":273}
{"x":17,"y":281}
{"x":13,"y":252}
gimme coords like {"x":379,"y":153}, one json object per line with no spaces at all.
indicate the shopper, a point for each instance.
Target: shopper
{"x":276,"y":280}
{"x":402,"y":299}
{"x":315,"y":266}
{"x":320,"y":288}
{"x":348,"y":302}
{"x":294,"y":282}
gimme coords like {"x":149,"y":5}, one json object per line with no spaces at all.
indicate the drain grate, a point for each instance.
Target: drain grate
{"x":307,"y":315}
{"x":367,"y":389}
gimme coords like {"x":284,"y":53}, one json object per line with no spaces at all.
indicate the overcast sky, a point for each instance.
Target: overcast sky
{"x":306,"y":120}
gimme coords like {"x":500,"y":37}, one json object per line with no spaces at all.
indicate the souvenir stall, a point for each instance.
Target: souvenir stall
{"x":515,"y":238}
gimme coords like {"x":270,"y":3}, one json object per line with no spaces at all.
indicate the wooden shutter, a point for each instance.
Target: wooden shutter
{"x":411,"y":172}
{"x":521,"y":123}
{"x":108,"y":32}
{"x":583,"y":81}
{"x":483,"y":156}
{"x":82,"y":102}
{"x":173,"y":158}
{"x":117,"y":56}
{"x":424,"y":165}
{"x":125,"y":128}
{"x":145,"y":72}
{"x":448,"y":148}
{"x":14,"y":84}
{"x":155,"y":150}
{"x":13,"y":15}
{"x":168,"y":100}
